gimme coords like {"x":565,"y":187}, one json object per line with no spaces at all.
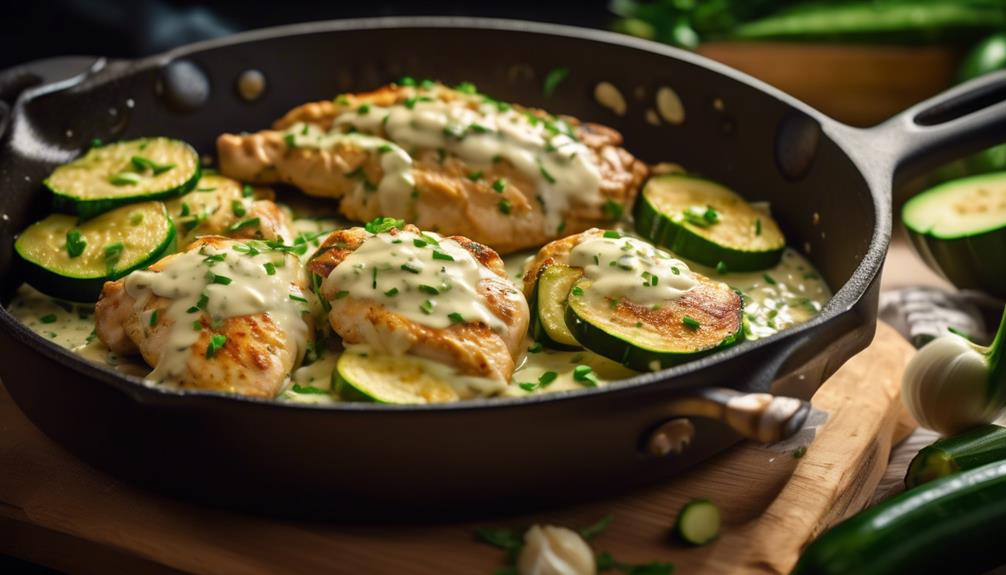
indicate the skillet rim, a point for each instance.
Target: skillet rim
{"x":841,"y":303}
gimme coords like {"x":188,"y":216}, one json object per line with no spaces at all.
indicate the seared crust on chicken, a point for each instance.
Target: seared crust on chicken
{"x":472,"y":348}
{"x":222,"y":206}
{"x":254,"y":360}
{"x":495,"y":203}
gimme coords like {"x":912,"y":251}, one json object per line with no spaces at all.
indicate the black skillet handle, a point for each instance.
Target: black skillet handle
{"x":964,"y":119}
{"x":14,"y":81}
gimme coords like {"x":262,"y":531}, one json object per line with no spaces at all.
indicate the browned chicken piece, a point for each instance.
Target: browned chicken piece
{"x":556,"y":252}
{"x":487,"y":349}
{"x":224,"y":207}
{"x":526,"y":179}
{"x":244,"y":336}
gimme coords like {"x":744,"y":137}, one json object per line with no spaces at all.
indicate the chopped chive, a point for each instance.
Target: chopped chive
{"x":499,"y":185}
{"x":466,"y":88}
{"x":204,"y":300}
{"x":298,"y":298}
{"x":341,"y":294}
{"x":218,"y":279}
{"x":426,"y":307}
{"x":214,"y":259}
{"x":410,"y":103}
{"x":612,"y":234}
{"x":363,"y":110}
{"x":197,"y":325}
{"x":474,"y":176}
{"x":675,"y":270}
{"x":217,"y":341}
{"x":112,"y":254}
{"x":721,"y":267}
{"x":384,"y":148}
{"x":534,"y":347}
{"x":456,"y":131}
{"x":270,"y":268}
{"x":410,"y":267}
{"x":528,"y":386}
{"x":382,"y":224}
{"x":544,"y":173}
{"x":238,"y":208}
{"x":290,"y":141}
{"x":141,"y":163}
{"x":373,"y":278}
{"x":124,"y":179}
{"x":407,"y":81}
{"x":547,"y":378}
{"x":247,"y":191}
{"x":419,"y":243}
{"x":391,"y":292}
{"x":758,"y":227}
{"x":585,"y":375}
{"x":480,"y":129}
{"x":428,"y":289}
{"x":769,"y":279}
{"x":505,"y":206}
{"x":455,"y":317}
{"x":50,"y":318}
{"x":242,"y":225}
{"x":439,"y":255}
{"x":577,"y":291}
{"x":613,"y":210}
{"x":185,"y":210}
{"x":75,"y":243}
{"x":553,"y":79}
{"x":691,"y":323}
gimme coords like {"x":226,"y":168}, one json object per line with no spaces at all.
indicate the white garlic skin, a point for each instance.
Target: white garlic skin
{"x":551,"y":550}
{"x":946,"y":386}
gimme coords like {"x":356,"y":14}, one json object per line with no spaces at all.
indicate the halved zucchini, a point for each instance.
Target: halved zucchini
{"x":959,"y":229}
{"x":698,"y":522}
{"x":72,"y":260}
{"x":706,"y":318}
{"x":110,"y":176}
{"x":548,"y":307}
{"x":705,"y":222}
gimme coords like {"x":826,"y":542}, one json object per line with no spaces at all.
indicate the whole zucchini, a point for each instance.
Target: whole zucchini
{"x":950,"y":525}
{"x":979,"y":446}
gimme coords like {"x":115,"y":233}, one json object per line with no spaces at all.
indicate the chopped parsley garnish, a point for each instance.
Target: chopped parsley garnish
{"x":428,"y":289}
{"x":499,"y":185}
{"x":474,"y":176}
{"x":250,"y":222}
{"x":691,"y":323}
{"x":112,"y":254}
{"x":382,"y":224}
{"x":455,"y":317}
{"x":577,"y":290}
{"x":51,"y":318}
{"x":270,"y":268}
{"x":407,"y":81}
{"x":384,"y":148}
{"x":426,"y":307}
{"x":553,"y":79}
{"x":247,"y":191}
{"x":585,"y":375}
{"x":615,"y":234}
{"x":341,"y":294}
{"x":544,"y":173}
{"x":153,"y":318}
{"x":298,"y":298}
{"x":290,"y":140}
{"x":238,"y":207}
{"x":75,"y":243}
{"x":363,"y":110}
{"x":769,"y":279}
{"x":217,"y":341}
{"x":505,"y":206}
{"x":419,"y":243}
{"x":466,"y":88}
{"x":141,"y":163}
{"x":391,"y":292}
{"x":721,"y":267}
{"x":439,"y":255}
{"x":124,"y":179}
{"x":218,"y":279}
{"x":410,"y":267}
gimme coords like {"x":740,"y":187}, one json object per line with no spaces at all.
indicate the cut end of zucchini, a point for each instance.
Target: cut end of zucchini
{"x":698,"y":522}
{"x":649,"y":338}
{"x":72,"y":260}
{"x":110,"y":176}
{"x":960,"y":208}
{"x":705,"y":222}
{"x":548,"y":307}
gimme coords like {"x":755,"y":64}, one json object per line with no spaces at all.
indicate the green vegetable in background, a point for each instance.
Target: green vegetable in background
{"x":973,"y":448}
{"x":987,"y":56}
{"x":685,"y":22}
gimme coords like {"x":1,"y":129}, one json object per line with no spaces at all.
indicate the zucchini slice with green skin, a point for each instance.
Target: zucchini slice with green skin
{"x":959,"y":229}
{"x":950,"y":525}
{"x":707,"y":318}
{"x":548,"y":307}
{"x":698,"y":522}
{"x":113,"y":175}
{"x":72,"y":260}
{"x":705,"y":222}
{"x":974,"y":448}
{"x":403,"y":379}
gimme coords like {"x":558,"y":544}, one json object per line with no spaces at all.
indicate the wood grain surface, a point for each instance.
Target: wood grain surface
{"x":57,"y":511}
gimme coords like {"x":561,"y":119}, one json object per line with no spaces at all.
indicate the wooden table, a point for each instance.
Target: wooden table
{"x":59,"y":512}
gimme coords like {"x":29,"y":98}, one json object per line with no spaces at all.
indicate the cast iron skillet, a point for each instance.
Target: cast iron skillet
{"x":829,"y":186}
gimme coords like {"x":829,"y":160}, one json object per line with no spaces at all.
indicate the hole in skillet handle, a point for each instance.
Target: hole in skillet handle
{"x":183,"y":87}
{"x":961,"y":105}
{"x":796,"y":143}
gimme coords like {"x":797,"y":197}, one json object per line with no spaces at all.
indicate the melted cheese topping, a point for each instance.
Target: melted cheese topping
{"x":620,"y":266}
{"x":223,"y":284}
{"x":423,"y":277}
{"x":546,"y":151}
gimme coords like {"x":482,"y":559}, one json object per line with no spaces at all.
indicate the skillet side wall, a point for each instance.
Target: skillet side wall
{"x":524,"y":452}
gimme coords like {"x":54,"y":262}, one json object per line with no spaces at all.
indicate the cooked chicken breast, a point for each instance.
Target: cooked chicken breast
{"x":221,"y":206}
{"x":401,"y":291}
{"x":224,"y":315}
{"x":556,"y":252}
{"x":447,"y":160}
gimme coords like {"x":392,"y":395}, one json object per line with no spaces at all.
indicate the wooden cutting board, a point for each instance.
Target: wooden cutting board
{"x":56,"y":511}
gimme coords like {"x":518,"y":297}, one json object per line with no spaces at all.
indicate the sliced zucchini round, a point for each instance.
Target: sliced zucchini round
{"x":548,"y":307}
{"x":704,"y":319}
{"x":390,"y":379}
{"x":698,"y":522}
{"x":959,"y":229}
{"x":116,"y":174}
{"x":72,"y":260}
{"x":705,"y":222}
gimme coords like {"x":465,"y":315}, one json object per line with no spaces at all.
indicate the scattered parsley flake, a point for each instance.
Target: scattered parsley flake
{"x":217,"y":341}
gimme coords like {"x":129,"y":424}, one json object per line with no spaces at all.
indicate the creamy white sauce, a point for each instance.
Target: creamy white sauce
{"x":479,"y":133}
{"x":192,"y":283}
{"x":428,"y":279}
{"x":622,"y":266}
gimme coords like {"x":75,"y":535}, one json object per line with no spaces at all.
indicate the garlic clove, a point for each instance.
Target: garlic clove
{"x":550,"y":550}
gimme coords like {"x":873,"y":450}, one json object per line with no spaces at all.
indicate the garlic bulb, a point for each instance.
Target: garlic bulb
{"x":553,"y":550}
{"x":952,"y":384}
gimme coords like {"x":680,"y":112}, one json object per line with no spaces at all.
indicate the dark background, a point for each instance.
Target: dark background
{"x":33,"y":29}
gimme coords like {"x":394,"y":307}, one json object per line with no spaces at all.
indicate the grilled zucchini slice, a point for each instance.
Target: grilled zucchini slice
{"x":704,"y":319}
{"x":705,"y":222}
{"x":698,"y":522}
{"x":111,"y":176}
{"x":369,"y":376}
{"x":548,"y":307}
{"x":72,"y":260}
